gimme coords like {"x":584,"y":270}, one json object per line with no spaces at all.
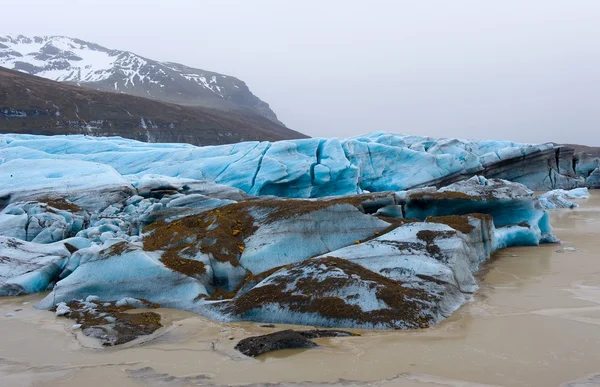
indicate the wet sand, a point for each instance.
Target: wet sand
{"x":534,"y":322}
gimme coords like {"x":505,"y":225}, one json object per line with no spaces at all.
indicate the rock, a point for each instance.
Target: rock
{"x":288,"y":339}
{"x":109,"y":324}
{"x":317,"y":333}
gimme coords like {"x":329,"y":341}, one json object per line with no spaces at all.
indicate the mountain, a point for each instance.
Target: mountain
{"x":30,"y":104}
{"x":90,"y":65}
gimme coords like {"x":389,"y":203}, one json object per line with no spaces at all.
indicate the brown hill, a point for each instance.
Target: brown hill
{"x":87,"y":64}
{"x":30,"y":104}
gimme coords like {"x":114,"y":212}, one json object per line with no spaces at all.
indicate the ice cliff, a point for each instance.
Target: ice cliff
{"x":307,"y":168}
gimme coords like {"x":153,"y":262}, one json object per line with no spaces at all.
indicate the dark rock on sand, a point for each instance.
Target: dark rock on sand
{"x":316,"y":333}
{"x":257,"y":345}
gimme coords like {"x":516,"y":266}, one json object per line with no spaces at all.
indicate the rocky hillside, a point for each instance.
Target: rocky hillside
{"x":87,"y":64}
{"x":30,"y":104}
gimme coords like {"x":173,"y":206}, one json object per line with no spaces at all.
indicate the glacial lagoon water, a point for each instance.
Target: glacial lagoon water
{"x":534,"y":322}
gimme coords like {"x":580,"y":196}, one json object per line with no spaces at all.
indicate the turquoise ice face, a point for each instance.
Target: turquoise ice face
{"x":305,"y":168}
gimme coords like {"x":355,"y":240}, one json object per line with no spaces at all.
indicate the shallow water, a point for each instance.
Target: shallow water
{"x":534,"y":322}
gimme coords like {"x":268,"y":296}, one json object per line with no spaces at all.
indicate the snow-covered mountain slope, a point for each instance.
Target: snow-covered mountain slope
{"x":30,"y":104}
{"x":87,"y":64}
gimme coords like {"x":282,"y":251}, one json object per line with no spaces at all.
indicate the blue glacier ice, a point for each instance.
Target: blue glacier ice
{"x":122,"y":269}
{"x":29,"y":267}
{"x":297,"y":168}
{"x":510,"y":205}
{"x":293,"y":240}
{"x":40,"y":222}
{"x":89,"y":184}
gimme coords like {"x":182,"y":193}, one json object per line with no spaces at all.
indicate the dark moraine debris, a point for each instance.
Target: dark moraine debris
{"x":222,"y":233}
{"x":325,"y":287}
{"x":110,"y":324}
{"x":288,"y":339}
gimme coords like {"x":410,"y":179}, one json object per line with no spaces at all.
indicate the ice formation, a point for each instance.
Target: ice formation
{"x":560,"y":198}
{"x":207,"y":229}
{"x":307,"y":168}
{"x":425,"y":264}
{"x":27,"y":267}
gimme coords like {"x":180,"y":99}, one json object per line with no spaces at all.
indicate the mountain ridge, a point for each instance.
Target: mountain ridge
{"x":91,"y":65}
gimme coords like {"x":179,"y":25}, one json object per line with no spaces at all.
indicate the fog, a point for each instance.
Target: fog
{"x":518,"y":70}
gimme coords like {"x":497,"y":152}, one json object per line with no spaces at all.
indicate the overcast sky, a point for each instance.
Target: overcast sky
{"x":517,"y":70}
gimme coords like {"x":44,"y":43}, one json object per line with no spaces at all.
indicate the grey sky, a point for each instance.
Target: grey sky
{"x":517,"y":70}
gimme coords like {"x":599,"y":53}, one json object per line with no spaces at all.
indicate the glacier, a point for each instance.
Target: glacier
{"x":381,"y":231}
{"x":427,"y":263}
{"x":306,"y":168}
